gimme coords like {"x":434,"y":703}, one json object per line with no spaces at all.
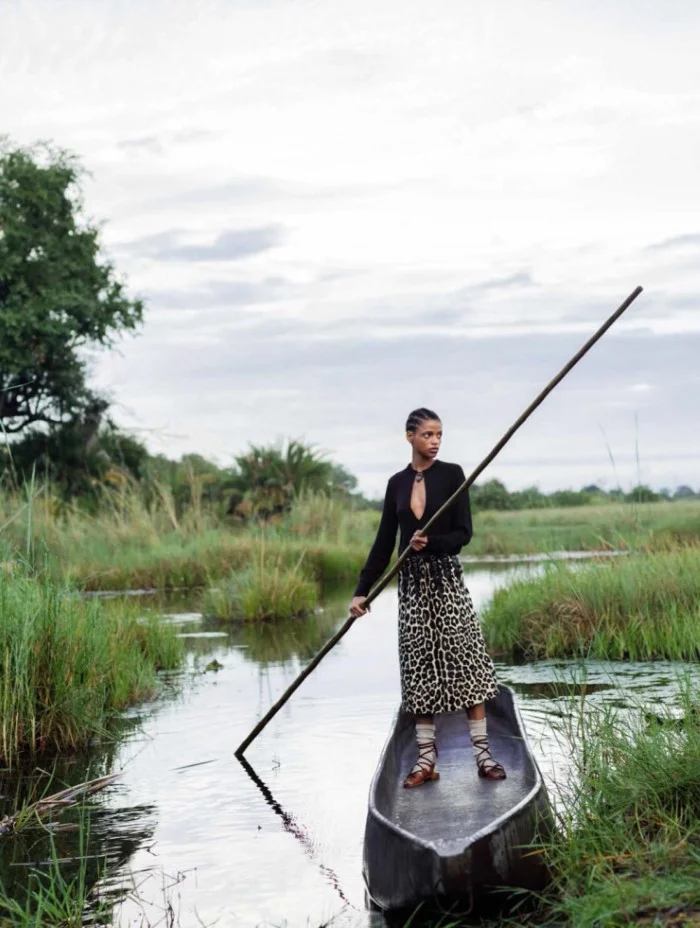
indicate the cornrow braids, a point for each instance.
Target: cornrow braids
{"x":420,"y":415}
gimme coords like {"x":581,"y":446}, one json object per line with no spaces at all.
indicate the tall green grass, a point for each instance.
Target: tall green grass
{"x":60,"y":894}
{"x":640,"y":607}
{"x":628,"y":848}
{"x":626,"y":526}
{"x":267,"y":589}
{"x":130,"y":541}
{"x":66,"y":665}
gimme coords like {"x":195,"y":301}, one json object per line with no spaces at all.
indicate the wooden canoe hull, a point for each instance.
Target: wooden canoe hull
{"x":462,"y":837}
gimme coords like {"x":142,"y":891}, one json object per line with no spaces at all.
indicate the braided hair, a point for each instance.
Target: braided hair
{"x":420,"y":415}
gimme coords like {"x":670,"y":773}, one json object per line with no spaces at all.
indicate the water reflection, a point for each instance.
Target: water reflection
{"x":296,"y":829}
{"x":280,"y":642}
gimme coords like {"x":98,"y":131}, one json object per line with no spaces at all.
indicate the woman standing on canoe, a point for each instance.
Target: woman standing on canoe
{"x":442,"y":655}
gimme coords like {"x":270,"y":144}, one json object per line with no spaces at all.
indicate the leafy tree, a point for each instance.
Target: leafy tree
{"x":267,"y":478}
{"x":529,"y":498}
{"x":642,"y":494}
{"x":58,"y":295}
{"x":684,"y":492}
{"x":77,"y":457}
{"x":341,"y":480}
{"x":490,"y":495}
{"x":570,"y":498}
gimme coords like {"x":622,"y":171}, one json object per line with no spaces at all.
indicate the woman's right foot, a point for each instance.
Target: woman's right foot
{"x":424,"y":768}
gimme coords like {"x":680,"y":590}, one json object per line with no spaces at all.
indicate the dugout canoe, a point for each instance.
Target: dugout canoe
{"x":461,"y":838}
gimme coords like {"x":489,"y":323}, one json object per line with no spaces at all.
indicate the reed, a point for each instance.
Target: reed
{"x":267,"y":589}
{"x":130,"y":541}
{"x":61,"y":894}
{"x":641,"y":607}
{"x":628,"y":848}
{"x":67,"y":665}
{"x":622,"y":526}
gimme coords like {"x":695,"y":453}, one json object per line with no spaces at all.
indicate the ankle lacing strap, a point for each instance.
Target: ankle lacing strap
{"x":427,"y":752}
{"x":484,"y":757}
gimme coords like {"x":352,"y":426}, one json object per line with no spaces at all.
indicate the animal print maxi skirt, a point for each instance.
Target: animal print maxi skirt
{"x":442,"y":654}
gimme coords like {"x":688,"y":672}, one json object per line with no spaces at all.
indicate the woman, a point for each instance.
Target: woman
{"x":442,"y":654}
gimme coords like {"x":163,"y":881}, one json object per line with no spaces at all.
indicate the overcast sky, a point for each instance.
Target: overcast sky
{"x":337,"y":211}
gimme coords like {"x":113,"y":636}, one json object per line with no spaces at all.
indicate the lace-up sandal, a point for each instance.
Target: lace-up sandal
{"x":424,"y":768}
{"x":487,"y":767}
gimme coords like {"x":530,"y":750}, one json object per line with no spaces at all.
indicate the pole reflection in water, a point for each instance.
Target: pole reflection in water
{"x":297,"y":830}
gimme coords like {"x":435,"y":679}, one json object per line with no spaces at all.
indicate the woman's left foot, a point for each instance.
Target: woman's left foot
{"x":487,"y":767}
{"x":492,"y":772}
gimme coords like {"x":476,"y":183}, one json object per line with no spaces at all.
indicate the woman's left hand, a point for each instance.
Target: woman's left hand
{"x":418,"y":541}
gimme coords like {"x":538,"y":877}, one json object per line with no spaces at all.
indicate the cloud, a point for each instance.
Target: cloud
{"x":232,"y":245}
{"x":676,"y":241}
{"x":351,"y":395}
{"x":461,"y":221}
{"x":149,"y":144}
{"x":498,"y":284}
{"x":224,"y":293}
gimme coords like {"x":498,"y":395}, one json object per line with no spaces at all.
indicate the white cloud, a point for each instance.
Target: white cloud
{"x":353,"y":180}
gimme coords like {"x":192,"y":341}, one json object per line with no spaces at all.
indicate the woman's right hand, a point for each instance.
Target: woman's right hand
{"x":357,"y":606}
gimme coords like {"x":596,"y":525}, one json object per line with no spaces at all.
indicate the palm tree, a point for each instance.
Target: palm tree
{"x":268,"y":478}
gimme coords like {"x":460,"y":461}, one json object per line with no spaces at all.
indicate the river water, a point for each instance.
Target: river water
{"x":204,"y":841}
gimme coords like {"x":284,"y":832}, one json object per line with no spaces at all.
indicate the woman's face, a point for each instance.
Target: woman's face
{"x":427,"y":438}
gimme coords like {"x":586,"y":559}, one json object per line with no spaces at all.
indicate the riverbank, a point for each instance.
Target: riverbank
{"x":68,"y":665}
{"x":659,"y":526}
{"x":641,"y":607}
{"x":127,"y":544}
{"x":627,"y":851}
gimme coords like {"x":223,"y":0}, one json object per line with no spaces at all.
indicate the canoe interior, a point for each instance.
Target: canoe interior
{"x":461,"y":836}
{"x":447,"y":812}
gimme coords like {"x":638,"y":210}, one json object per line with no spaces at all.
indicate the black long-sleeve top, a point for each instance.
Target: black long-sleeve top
{"x":448,"y":535}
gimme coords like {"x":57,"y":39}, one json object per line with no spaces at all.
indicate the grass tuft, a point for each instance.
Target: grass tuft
{"x":67,"y":664}
{"x":628,"y":850}
{"x":268,"y":589}
{"x":641,"y":607}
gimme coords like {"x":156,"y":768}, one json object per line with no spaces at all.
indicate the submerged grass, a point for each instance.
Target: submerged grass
{"x":66,"y":665}
{"x":57,"y":898}
{"x":628,"y":849}
{"x":641,"y":607}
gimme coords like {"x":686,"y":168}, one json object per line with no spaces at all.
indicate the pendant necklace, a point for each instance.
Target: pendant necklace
{"x":419,"y":476}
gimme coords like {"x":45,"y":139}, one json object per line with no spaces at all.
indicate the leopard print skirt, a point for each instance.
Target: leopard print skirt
{"x":442,"y":654}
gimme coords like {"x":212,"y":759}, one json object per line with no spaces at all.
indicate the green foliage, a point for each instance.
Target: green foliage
{"x":268,"y":478}
{"x":267,"y":589}
{"x":641,"y":607}
{"x":53,"y":899}
{"x":78,"y":458}
{"x":628,"y":848}
{"x":57,"y":294}
{"x":653,"y":526}
{"x":329,"y":518}
{"x":139,"y":537}
{"x":494,"y":496}
{"x":66,"y":664}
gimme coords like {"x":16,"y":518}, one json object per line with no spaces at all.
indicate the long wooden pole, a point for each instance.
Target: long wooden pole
{"x":386,"y":579}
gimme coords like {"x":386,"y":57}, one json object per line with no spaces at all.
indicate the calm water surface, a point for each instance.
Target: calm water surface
{"x":281,"y":843}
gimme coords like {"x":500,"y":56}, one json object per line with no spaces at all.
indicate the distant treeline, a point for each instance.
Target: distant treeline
{"x":81,"y":465}
{"x":494,"y":495}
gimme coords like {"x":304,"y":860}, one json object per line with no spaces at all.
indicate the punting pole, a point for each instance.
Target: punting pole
{"x":386,"y":579}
